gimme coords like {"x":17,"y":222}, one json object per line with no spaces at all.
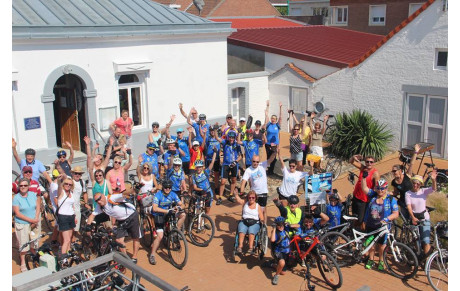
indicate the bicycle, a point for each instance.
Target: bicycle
{"x":175,"y":241}
{"x":437,"y":263}
{"x":33,"y":259}
{"x":100,"y":241}
{"x":310,"y":248}
{"x":147,"y":227}
{"x":399,"y":259}
{"x":201,"y":228}
{"x":47,"y":215}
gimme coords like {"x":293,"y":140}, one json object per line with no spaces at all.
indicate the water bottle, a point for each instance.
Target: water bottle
{"x":368,"y":241}
{"x":118,"y":185}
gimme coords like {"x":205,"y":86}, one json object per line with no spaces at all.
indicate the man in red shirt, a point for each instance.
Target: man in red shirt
{"x":34,"y":185}
{"x":360,"y":199}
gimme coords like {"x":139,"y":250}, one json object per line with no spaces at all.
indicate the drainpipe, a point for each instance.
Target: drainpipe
{"x":288,"y":7}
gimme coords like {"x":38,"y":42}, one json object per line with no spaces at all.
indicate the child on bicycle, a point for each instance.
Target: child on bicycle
{"x":280,"y":240}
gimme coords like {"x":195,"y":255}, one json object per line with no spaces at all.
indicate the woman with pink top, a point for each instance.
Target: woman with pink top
{"x":116,"y":176}
{"x":125,"y":123}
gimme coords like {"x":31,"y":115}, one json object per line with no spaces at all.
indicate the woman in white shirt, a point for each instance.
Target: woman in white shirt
{"x":65,"y":211}
{"x":252,"y":214}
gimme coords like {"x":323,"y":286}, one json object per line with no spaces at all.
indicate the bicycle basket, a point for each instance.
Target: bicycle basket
{"x":442,"y":231}
{"x":147,"y":201}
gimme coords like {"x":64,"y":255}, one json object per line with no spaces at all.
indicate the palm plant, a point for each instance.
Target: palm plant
{"x":358,"y":133}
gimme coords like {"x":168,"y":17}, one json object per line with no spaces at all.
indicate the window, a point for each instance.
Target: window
{"x":298,"y":99}
{"x":130,"y":96}
{"x":296,"y":12}
{"x":440,"y":62}
{"x":320,"y":11}
{"x":238,"y":94}
{"x":377,"y":14}
{"x":414,"y":7}
{"x":340,"y":15}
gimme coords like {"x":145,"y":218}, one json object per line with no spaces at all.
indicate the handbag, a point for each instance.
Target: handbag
{"x":250,"y":221}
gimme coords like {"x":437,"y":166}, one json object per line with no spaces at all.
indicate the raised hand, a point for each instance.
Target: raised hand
{"x":181,"y":105}
{"x":281,"y":104}
{"x":87,"y":140}
{"x":68,"y":144}
{"x":313,"y":114}
{"x":13,"y":143}
{"x":326,"y":117}
{"x":190,"y":129}
{"x":417,"y":148}
{"x":173,"y":117}
{"x":268,"y":103}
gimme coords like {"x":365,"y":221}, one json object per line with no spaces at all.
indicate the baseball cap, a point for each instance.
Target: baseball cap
{"x":27,"y":168}
{"x":196,"y":142}
{"x":228,"y":116}
{"x":180,"y":129}
{"x":242,"y":119}
{"x":258,"y":122}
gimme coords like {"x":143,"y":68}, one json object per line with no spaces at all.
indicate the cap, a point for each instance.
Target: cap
{"x":196,"y":142}
{"x":242,"y":119}
{"x":417,"y":178}
{"x":27,"y":168}
{"x":250,"y":131}
{"x":78,"y":169}
{"x":258,"y":122}
{"x":228,"y":116}
{"x":180,"y":129}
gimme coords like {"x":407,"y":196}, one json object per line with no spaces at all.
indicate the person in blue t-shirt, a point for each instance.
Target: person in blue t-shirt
{"x":212,"y":145}
{"x":334,"y":208}
{"x":182,"y":142}
{"x":172,"y":153}
{"x":176,"y":175}
{"x":199,"y":126}
{"x":162,"y":202}
{"x":311,"y":224}
{"x":150,"y":156}
{"x":232,"y":155}
{"x":272,"y":130}
{"x":280,"y":239}
{"x":201,"y":184}
{"x":37,"y":166}
{"x":251,"y":147}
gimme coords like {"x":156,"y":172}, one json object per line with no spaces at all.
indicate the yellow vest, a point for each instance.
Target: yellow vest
{"x":293,"y":218}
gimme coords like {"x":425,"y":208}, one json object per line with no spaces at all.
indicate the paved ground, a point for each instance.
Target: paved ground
{"x":211,"y":268}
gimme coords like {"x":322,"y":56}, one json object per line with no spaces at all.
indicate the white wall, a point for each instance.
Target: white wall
{"x":406,"y":59}
{"x":191,"y":70}
{"x":306,"y":6}
{"x":274,"y":62}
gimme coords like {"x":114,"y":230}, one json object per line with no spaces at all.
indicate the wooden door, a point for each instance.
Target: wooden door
{"x":68,"y":116}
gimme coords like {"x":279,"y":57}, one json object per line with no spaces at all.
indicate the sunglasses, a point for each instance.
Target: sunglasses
{"x":68,"y":184}
{"x":98,"y":175}
{"x":155,"y":126}
{"x":146,"y":168}
{"x":98,"y":199}
{"x":179,"y":132}
{"x":27,"y":172}
{"x":369,"y":162}
{"x":23,"y":186}
{"x":256,"y":162}
{"x":117,"y":163}
{"x":251,"y":198}
{"x":62,"y":156}
{"x":176,"y":165}
{"x":394,"y":171}
{"x":296,"y":128}
{"x":77,"y":174}
{"x":380,"y":188}
{"x":167,"y":188}
{"x":291,"y":166}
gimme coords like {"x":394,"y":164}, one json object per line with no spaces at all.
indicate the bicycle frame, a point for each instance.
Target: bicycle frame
{"x":303,"y":255}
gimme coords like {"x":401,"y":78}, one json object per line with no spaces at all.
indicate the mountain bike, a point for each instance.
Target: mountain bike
{"x":399,"y":259}
{"x":201,"y":227}
{"x":47,"y":215}
{"x":175,"y":240}
{"x":147,"y":227}
{"x":436,"y":266}
{"x":98,"y":241}
{"x":33,"y":259}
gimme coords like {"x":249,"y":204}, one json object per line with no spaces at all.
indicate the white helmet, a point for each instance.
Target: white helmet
{"x":170,"y":140}
{"x":177,"y":161}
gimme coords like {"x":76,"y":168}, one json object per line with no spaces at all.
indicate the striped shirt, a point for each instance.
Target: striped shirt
{"x":295,"y":144}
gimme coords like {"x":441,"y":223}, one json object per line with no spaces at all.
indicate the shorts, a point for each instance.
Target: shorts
{"x":160,"y":221}
{"x":129,"y":226}
{"x":297,"y":157}
{"x":186,"y":167}
{"x":262,"y":199}
{"x":358,"y":207}
{"x":424,"y":229}
{"x":66,"y":222}
{"x":216,"y":167}
{"x":208,"y":201}
{"x":317,"y":151}
{"x":228,"y":172}
{"x":382,"y":240}
{"x":281,"y":256}
{"x":253,"y":229}
{"x":24,"y":234}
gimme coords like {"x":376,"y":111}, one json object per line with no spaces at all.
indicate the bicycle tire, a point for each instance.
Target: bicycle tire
{"x":177,"y":249}
{"x":31,"y":263}
{"x":441,"y":181}
{"x":198,"y":233}
{"x":147,"y":232}
{"x":436,"y":272}
{"x":15,"y":176}
{"x":263,"y":241}
{"x":48,"y":218}
{"x":326,"y":267}
{"x":407,"y":265}
{"x":332,"y":241}
{"x":335,"y":167}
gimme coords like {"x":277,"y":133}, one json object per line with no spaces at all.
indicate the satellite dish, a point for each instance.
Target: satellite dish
{"x":319,"y":107}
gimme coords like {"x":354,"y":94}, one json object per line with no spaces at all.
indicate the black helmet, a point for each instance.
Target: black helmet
{"x":30,"y":152}
{"x":293,"y":199}
{"x":167,"y":184}
{"x":202,"y":116}
{"x":155,"y":124}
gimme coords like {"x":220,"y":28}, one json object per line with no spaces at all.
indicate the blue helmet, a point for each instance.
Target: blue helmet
{"x":152,"y":145}
{"x":61,"y":153}
{"x":231,"y":134}
{"x":280,"y":220}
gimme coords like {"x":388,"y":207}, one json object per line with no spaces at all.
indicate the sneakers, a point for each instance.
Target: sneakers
{"x":370,"y":264}
{"x":152,"y":260}
{"x":219,"y":201}
{"x":303,"y":264}
{"x":134,"y":261}
{"x":381,"y":266}
{"x":239,"y":250}
{"x":231,"y":199}
{"x":275,"y":280}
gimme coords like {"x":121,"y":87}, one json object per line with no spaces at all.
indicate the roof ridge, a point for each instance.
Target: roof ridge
{"x":302,"y":72}
{"x":392,"y":33}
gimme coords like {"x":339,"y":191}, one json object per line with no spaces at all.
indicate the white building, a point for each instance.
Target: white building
{"x":79,"y":65}
{"x":309,"y":7}
{"x":402,"y":81}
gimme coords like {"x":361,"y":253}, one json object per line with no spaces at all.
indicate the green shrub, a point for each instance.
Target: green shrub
{"x":358,"y":133}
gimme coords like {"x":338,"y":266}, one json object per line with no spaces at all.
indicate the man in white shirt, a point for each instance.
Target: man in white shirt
{"x":126,"y":216}
{"x":256,"y":174}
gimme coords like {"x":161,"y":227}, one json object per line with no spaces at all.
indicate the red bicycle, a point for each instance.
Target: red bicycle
{"x":309,"y":249}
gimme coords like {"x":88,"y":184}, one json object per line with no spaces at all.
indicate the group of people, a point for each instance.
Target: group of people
{"x":174,"y":165}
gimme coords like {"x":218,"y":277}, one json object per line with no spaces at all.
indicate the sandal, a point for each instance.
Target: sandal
{"x":239,"y":250}
{"x":23,"y":268}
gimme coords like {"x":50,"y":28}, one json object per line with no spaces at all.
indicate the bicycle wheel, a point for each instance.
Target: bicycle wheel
{"x":263,"y":241}
{"x":441,"y":181}
{"x":402,"y":263}
{"x":329,"y":269}
{"x":335,"y":167}
{"x":31,"y":261}
{"x":333,"y":242}
{"x":147,"y":232}
{"x":15,"y":176}
{"x":201,"y":230}
{"x":48,"y":218}
{"x":436,"y":270}
{"x":177,"y":249}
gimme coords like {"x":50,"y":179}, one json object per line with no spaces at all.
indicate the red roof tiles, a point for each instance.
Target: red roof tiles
{"x":240,"y":23}
{"x":301,"y":72}
{"x":331,"y":46}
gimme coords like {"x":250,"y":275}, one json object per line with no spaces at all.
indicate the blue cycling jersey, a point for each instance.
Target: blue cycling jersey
{"x":164,"y":201}
{"x":202,"y":181}
{"x":176,"y":178}
{"x":282,"y":242}
{"x":170,"y":155}
{"x":273,"y":131}
{"x":303,"y":231}
{"x":152,"y":160}
{"x":198,"y":137}
{"x":251,"y":148}
{"x":183,"y":145}
{"x":334,"y":213}
{"x":230,"y":151}
{"x":210,"y":144}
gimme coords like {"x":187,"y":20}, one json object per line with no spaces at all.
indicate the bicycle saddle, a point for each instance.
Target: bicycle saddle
{"x":429,"y":165}
{"x":429,"y":209}
{"x":349,"y":217}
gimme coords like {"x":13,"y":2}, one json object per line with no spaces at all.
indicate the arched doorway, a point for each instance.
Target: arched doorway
{"x":70,"y":112}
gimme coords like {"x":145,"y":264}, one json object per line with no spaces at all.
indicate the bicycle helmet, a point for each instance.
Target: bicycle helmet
{"x":61,"y":153}
{"x":382,"y":183}
{"x":170,"y":141}
{"x":167,"y":184}
{"x":334,"y":196}
{"x":293,"y":199}
{"x":30,"y":152}
{"x":152,"y":145}
{"x":177,"y":161}
{"x":199,"y":163}
{"x":231,"y":134}
{"x":202,"y":116}
{"x":250,"y":131}
{"x":280,"y":220}
{"x":155,"y":124}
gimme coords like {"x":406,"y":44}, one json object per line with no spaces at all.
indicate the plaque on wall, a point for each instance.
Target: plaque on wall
{"x":32,"y":123}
